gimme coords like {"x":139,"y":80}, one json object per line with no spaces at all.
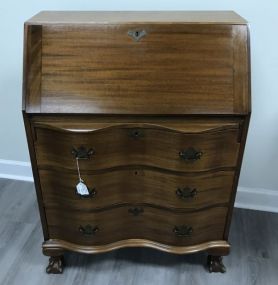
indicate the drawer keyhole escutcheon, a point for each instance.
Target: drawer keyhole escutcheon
{"x":190,"y":154}
{"x":183,"y":231}
{"x":136,"y":133}
{"x":186,"y":193}
{"x":137,"y":35}
{"x":82,"y":153}
{"x":88,"y":230}
{"x":136,"y":211}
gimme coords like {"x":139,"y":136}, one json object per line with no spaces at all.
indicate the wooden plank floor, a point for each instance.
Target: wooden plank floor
{"x":253,"y":259}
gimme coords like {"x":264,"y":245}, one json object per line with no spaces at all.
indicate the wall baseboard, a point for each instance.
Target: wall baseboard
{"x":257,"y":199}
{"x":17,"y":170}
{"x":247,"y":198}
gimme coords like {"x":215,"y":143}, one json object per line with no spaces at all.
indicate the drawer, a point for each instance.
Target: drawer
{"x":168,"y":227}
{"x":137,"y":144}
{"x":137,"y":185}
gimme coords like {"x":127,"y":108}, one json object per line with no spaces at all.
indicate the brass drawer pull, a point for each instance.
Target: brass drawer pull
{"x":92,"y":194}
{"x":137,"y":35}
{"x":88,"y":230}
{"x":190,"y":154}
{"x":82,"y":152}
{"x":136,"y":211}
{"x":183,"y":231}
{"x":186,"y":193}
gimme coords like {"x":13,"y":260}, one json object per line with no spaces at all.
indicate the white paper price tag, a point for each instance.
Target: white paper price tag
{"x":82,"y":189}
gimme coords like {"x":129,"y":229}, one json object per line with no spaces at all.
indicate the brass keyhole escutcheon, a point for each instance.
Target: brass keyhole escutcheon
{"x":136,"y":133}
{"x":82,"y":152}
{"x":137,"y":35}
{"x":136,"y":211}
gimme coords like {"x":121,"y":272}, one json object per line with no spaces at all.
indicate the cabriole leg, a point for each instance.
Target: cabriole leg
{"x":56,"y":259}
{"x":55,"y":265}
{"x":215,"y":264}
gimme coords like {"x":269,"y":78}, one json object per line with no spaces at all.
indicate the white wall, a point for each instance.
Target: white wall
{"x":260,"y":166}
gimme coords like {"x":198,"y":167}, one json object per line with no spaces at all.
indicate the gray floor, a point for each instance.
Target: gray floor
{"x":253,"y":260}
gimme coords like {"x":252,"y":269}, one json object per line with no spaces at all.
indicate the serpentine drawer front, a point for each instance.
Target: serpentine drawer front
{"x":153,"y":146}
{"x":133,"y":185}
{"x":134,"y":221}
{"x":136,"y":125}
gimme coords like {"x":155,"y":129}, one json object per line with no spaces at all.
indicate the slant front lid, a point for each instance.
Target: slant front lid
{"x":136,"y":67}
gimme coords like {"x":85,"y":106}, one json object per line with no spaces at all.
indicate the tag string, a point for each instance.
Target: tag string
{"x":78,"y":170}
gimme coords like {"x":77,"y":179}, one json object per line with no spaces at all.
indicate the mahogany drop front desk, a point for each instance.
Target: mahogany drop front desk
{"x":154,"y":108}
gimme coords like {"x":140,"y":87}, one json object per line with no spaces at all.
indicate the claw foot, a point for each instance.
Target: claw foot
{"x":55,"y":265}
{"x":215,"y":264}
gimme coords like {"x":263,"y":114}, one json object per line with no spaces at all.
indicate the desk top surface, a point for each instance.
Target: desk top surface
{"x":121,"y":17}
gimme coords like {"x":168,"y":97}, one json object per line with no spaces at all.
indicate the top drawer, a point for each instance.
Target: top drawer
{"x":117,"y":68}
{"x":184,"y":147}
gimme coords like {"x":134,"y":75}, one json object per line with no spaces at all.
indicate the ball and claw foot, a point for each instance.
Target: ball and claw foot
{"x":215,"y":264}
{"x":55,"y":265}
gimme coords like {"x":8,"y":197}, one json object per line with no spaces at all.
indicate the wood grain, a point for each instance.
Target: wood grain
{"x":130,"y":72}
{"x":121,"y":17}
{"x":243,"y":138}
{"x":184,"y":124}
{"x":241,"y":68}
{"x":137,"y":185}
{"x":156,"y":148}
{"x":153,"y":224}
{"x":30,"y":141}
{"x":32,"y":69}
{"x":97,"y":68}
{"x":251,"y":260}
{"x":140,"y":103}
{"x":53,"y":244}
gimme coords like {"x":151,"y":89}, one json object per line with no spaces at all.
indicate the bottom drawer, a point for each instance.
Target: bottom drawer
{"x":136,"y":222}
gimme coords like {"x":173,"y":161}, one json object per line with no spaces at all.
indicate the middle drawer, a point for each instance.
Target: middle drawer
{"x":131,"y":186}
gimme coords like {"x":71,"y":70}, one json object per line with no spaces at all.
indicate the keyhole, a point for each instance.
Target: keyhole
{"x":136,"y":33}
{"x":135,"y":172}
